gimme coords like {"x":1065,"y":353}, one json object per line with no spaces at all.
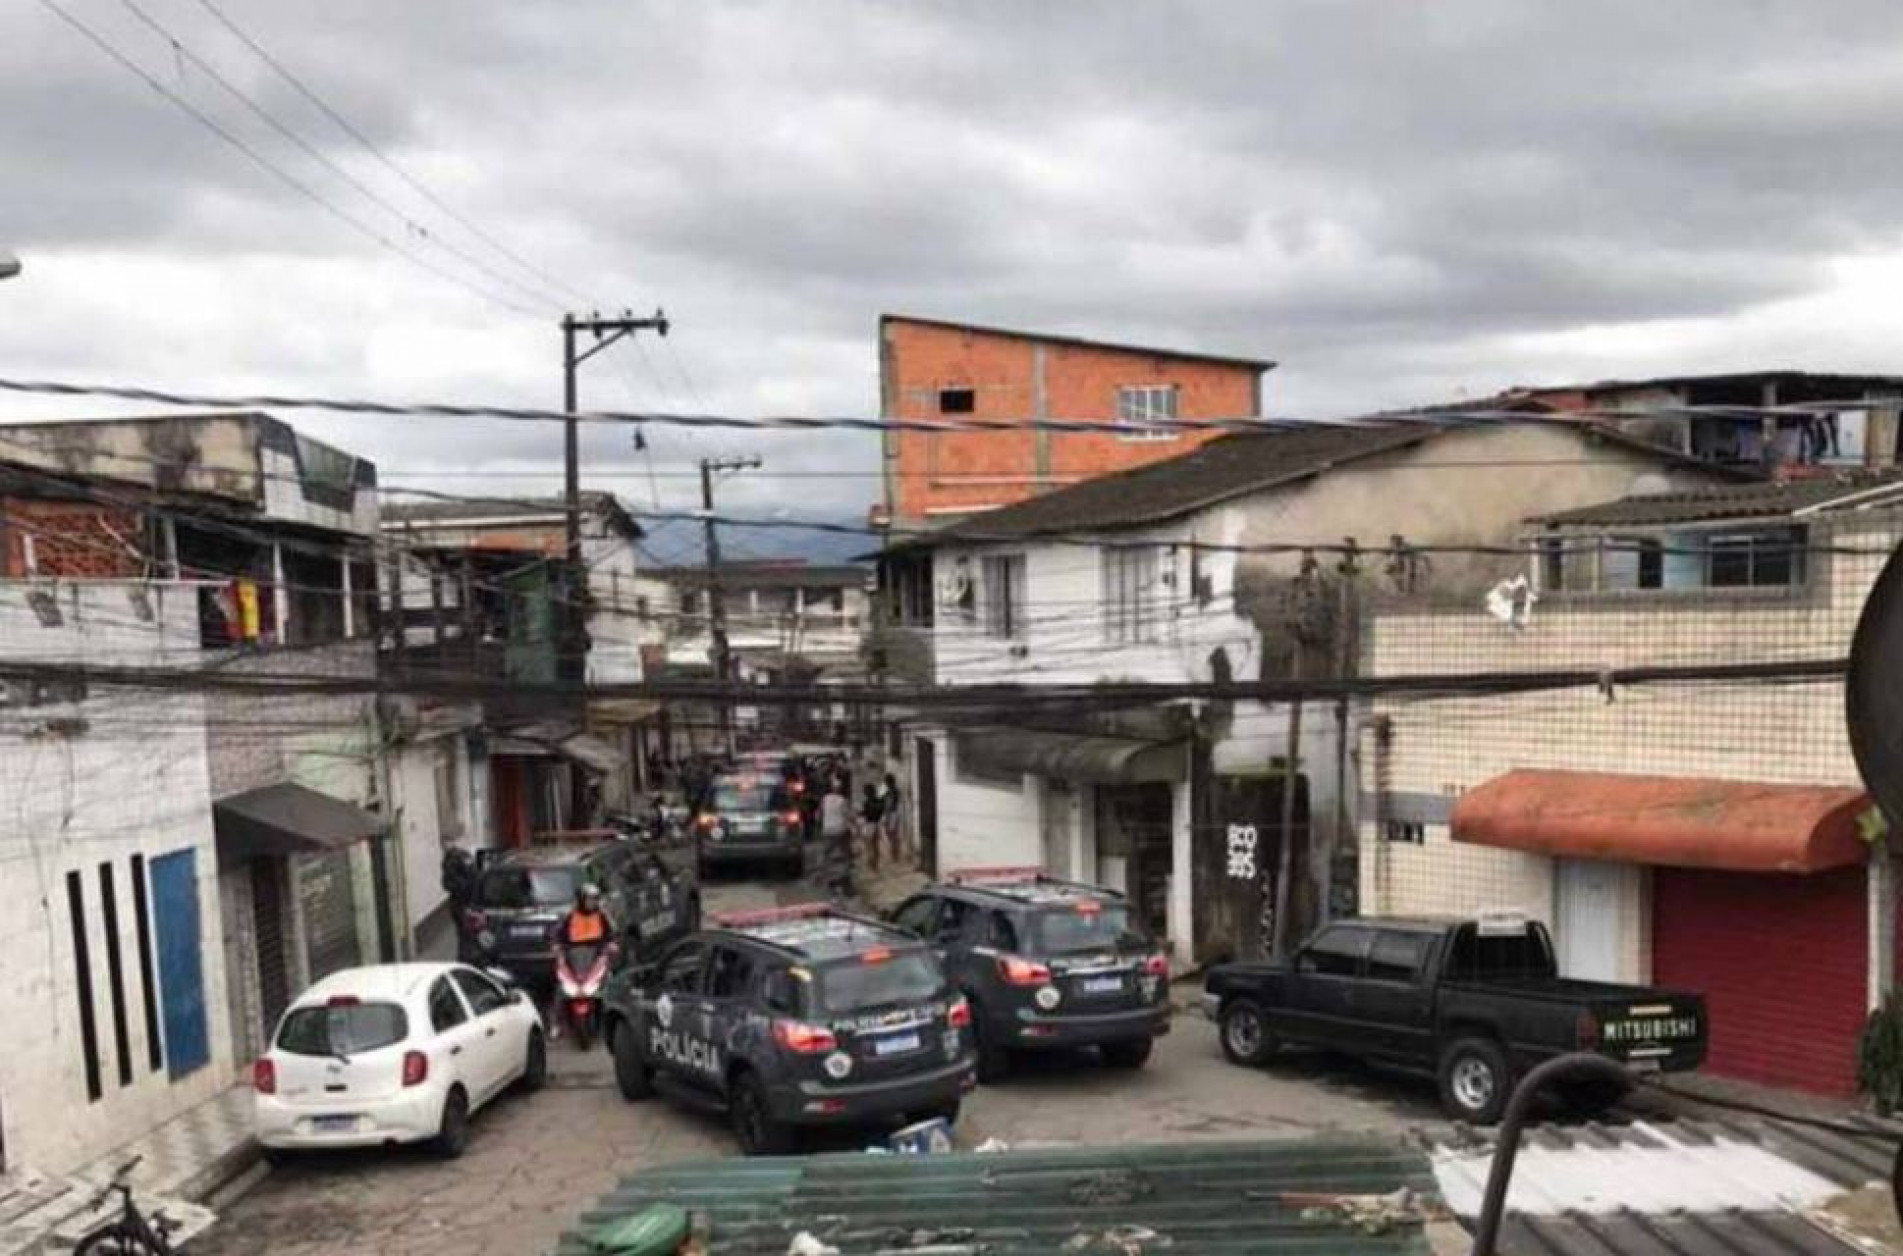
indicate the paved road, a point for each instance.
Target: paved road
{"x":535,"y":1160}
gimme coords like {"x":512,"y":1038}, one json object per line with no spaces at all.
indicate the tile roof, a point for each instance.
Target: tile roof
{"x":1761,"y":500}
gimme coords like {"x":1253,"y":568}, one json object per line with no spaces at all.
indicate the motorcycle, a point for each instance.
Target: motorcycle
{"x":580,"y":973}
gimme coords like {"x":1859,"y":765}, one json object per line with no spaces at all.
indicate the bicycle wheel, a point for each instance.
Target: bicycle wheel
{"x":117,"y":1239}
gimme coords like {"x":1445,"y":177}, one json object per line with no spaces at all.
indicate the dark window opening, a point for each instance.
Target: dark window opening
{"x":148,"y":980}
{"x":115,"y":974}
{"x":1335,"y":952}
{"x":83,"y":985}
{"x":957,"y":400}
{"x":1404,"y":831}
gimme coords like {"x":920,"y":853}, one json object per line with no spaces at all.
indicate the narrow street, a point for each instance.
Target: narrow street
{"x":537,"y":1160}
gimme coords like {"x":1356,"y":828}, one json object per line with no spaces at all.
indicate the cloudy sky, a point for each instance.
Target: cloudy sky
{"x":1399,"y":202}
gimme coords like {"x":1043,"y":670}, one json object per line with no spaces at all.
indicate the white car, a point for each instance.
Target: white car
{"x":395,"y":1053}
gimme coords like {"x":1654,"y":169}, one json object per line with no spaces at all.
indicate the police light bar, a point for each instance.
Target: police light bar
{"x":770,"y":915}
{"x":996,"y":876}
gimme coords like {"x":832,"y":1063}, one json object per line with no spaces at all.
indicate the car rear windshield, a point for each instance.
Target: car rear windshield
{"x":745,"y":796}
{"x":527,"y":887}
{"x":343,"y":1029}
{"x":1091,"y":927}
{"x":1524,"y":954}
{"x":857,"y":986}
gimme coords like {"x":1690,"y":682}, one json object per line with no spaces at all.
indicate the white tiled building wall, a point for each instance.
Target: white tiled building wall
{"x":1789,"y":733}
{"x":84,"y":784}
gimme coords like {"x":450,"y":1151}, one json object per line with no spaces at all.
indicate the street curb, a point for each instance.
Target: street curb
{"x":224,"y":1172}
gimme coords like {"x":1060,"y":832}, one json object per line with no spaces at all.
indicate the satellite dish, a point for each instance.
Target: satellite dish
{"x":1873,"y":691}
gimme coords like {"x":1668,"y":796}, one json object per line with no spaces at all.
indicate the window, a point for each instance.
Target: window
{"x":1335,"y":952}
{"x":729,"y":975}
{"x":1130,"y":594}
{"x":957,"y":400}
{"x":1000,"y":932}
{"x":484,"y":995}
{"x":1151,"y":404}
{"x":780,"y":992}
{"x":952,"y":919}
{"x":527,"y":887}
{"x":445,"y":1009}
{"x":1405,"y":831}
{"x":852,"y":986}
{"x":680,"y":972}
{"x":1767,"y":558}
{"x":1396,"y":956}
{"x":916,"y":916}
{"x":690,"y":603}
{"x":342,"y":1029}
{"x":1755,"y":560}
{"x":1108,"y":926}
{"x":1004,"y":609}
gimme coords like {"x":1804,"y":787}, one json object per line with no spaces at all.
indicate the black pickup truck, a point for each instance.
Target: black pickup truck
{"x":1476,"y":1002}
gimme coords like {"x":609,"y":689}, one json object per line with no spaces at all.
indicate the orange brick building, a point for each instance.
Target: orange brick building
{"x":929,"y":368}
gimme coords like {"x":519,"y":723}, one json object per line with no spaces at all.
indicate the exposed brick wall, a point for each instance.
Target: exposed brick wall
{"x":78,"y":539}
{"x":1080,"y":382}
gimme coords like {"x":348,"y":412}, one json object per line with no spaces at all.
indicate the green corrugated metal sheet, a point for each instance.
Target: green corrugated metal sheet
{"x":1217,"y":1198}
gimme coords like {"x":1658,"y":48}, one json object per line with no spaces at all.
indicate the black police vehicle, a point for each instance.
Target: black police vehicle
{"x":520,"y":896}
{"x":751,"y":818}
{"x":791,"y":1017}
{"x":1046,"y":964}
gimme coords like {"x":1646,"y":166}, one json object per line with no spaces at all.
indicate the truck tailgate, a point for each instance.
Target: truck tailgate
{"x":1652,"y":1028}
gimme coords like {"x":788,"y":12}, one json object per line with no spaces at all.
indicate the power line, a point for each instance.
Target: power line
{"x":272,"y":168}
{"x":1389,"y":420}
{"x":369,"y":146}
{"x":318,"y":155}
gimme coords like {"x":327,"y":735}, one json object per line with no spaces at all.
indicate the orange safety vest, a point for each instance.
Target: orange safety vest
{"x":585,"y":927}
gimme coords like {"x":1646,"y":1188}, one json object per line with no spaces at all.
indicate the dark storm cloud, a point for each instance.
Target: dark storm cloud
{"x":1388,"y":198}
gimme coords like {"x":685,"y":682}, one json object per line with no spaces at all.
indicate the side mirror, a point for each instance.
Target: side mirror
{"x":516,"y":995}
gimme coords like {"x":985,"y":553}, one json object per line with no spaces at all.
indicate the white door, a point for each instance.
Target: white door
{"x":496,"y":1053}
{"x":1586,"y":896}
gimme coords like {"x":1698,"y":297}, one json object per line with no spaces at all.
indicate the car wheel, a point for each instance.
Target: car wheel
{"x":452,"y":1136}
{"x":535,"y":1063}
{"x":1243,"y":1028}
{"x":632,"y":1074}
{"x":753,"y":1123}
{"x":1128,"y":1055}
{"x":994,"y":1060}
{"x":1475,"y":1081}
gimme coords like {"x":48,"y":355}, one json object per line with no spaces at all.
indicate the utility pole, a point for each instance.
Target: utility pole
{"x":716,"y":597}
{"x":572,"y":645}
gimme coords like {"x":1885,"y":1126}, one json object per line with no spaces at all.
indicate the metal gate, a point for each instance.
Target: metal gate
{"x":267,"y":924}
{"x":924,"y":754}
{"x":175,"y":917}
{"x":330,"y":913}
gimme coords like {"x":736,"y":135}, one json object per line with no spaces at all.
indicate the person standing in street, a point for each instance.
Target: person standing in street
{"x":835,"y":834}
{"x":871,"y":823}
{"x":890,"y":816}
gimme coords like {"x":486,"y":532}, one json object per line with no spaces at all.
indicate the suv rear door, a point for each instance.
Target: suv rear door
{"x":677,"y":1029}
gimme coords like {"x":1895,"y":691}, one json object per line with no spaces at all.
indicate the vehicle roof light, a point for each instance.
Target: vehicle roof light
{"x":768,"y":915}
{"x":996,"y":876}
{"x":877,"y":955}
{"x":1088,"y":907}
{"x":342,"y":1000}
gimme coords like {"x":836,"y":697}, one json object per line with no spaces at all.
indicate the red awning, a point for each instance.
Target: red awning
{"x":1676,"y":821}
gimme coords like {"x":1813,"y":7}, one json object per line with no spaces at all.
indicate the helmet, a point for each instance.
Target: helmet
{"x":588,"y":896}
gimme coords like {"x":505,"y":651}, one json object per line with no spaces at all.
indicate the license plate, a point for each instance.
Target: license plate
{"x":332,"y":1124}
{"x":527,"y":931}
{"x":1103,"y":985}
{"x":894,"y":1044}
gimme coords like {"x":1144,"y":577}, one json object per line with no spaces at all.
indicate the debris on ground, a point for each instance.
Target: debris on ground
{"x":1368,"y":1214}
{"x":1121,"y":1240}
{"x":804,"y":1244}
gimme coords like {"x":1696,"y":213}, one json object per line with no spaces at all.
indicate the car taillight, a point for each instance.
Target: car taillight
{"x":415,"y":1068}
{"x":958,"y":1015}
{"x":264,"y":1077}
{"x":1586,"y":1032}
{"x":1157,"y":966}
{"x":802,"y":1038}
{"x":705,"y":819}
{"x":791,"y":817}
{"x":1018,"y":971}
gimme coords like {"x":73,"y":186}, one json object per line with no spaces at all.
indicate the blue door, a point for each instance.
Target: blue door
{"x":181,"y":965}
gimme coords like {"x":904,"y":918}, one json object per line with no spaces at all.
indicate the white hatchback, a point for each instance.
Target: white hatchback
{"x":395,"y":1053}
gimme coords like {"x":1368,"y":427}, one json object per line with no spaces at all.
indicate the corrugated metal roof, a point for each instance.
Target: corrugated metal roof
{"x":1765,"y":500}
{"x":1227,"y":1198}
{"x":1683,"y":1187}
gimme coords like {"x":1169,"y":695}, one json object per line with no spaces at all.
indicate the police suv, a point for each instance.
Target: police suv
{"x":1044,"y":964}
{"x":791,"y":1017}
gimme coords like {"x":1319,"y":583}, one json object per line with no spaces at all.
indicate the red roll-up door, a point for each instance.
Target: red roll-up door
{"x":1782,"y":962}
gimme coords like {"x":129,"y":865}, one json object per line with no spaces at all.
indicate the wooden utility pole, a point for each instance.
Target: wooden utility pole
{"x":572,"y":639}
{"x":716,"y":597}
